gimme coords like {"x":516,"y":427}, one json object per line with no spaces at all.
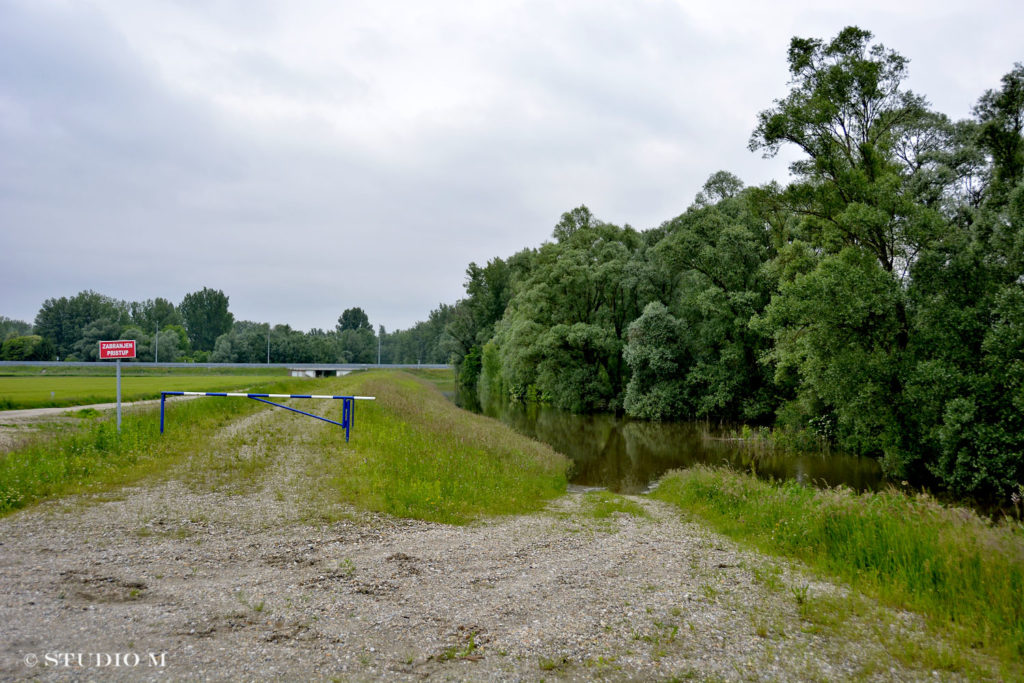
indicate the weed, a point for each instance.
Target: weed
{"x":769,"y":576}
{"x":255,"y":607}
{"x":464,"y":652}
{"x":605,"y":504}
{"x":552,"y":663}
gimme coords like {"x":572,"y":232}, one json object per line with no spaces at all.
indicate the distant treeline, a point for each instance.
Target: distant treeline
{"x":201,"y":328}
{"x":875,"y":302}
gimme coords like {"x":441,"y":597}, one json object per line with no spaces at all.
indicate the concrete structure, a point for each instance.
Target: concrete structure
{"x":317,"y":372}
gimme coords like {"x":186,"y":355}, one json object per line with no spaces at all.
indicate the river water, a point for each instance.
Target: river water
{"x":628,"y":456}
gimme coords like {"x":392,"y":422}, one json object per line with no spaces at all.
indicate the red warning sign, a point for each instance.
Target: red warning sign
{"x":122,"y":348}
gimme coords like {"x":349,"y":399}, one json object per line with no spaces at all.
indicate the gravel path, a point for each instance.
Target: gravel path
{"x":264,"y":578}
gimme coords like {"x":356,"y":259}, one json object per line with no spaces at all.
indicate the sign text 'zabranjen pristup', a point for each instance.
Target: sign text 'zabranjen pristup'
{"x":121,"y":348}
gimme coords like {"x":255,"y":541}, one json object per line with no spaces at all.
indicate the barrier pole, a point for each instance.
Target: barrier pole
{"x":348,"y":405}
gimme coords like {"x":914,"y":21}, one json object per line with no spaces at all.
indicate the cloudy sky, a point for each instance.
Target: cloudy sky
{"x":313,"y":155}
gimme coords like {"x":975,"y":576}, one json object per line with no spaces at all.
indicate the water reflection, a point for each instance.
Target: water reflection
{"x":628,"y":456}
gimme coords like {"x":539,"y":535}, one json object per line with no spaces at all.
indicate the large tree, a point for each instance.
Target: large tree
{"x":856,"y":191}
{"x":848,"y":112}
{"x":63,"y":321}
{"x":154,"y":313}
{"x":564,"y":329}
{"x":206,"y":317}
{"x":354,"y":319}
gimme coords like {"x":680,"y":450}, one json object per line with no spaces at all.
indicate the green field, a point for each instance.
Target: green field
{"x":43,"y":391}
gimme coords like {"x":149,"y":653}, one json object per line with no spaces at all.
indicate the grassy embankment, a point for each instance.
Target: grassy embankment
{"x":420,"y":456}
{"x":34,"y":387}
{"x":412,"y":454}
{"x":963,"y":573}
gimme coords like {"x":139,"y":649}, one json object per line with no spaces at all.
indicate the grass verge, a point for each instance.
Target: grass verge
{"x":415,"y":454}
{"x":963,"y":574}
{"x":94,"y":455}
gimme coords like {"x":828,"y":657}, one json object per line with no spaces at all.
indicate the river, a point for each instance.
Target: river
{"x":628,"y":456}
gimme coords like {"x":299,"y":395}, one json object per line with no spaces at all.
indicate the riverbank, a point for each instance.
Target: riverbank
{"x":963,"y":572}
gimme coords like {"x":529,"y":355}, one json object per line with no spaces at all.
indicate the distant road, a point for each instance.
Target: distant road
{"x":31,"y":414}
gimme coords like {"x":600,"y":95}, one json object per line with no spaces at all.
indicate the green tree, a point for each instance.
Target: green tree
{"x":354,"y":319}
{"x":848,"y":114}
{"x":833,"y":326}
{"x":170,"y":344}
{"x":579,"y":218}
{"x":154,"y":313}
{"x":357,"y":345}
{"x":1000,"y":115}
{"x":841,"y":327}
{"x":87,"y":347}
{"x":563,"y":330}
{"x":718,"y":253}
{"x":657,"y":355}
{"x":26,"y":348}
{"x":206,"y":317}
{"x":143,"y":342}
{"x":63,"y":321}
{"x":246,"y":342}
{"x":13,"y":328}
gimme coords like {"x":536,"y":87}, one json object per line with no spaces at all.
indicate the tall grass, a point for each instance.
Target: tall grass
{"x":946,"y":563}
{"x":95,"y":455}
{"x":415,"y":454}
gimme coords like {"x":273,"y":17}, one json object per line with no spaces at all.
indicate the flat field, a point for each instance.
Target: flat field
{"x":44,"y":391}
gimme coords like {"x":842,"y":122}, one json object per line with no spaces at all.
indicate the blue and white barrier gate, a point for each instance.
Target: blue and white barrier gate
{"x":348,"y":404}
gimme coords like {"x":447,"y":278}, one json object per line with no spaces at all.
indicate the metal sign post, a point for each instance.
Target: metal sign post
{"x":121,"y":348}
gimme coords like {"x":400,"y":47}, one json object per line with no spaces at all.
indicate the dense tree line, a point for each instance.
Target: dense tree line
{"x":202,"y":328}
{"x":876,"y":300}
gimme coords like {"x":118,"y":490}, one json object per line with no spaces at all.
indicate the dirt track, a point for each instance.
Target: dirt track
{"x":208,"y":575}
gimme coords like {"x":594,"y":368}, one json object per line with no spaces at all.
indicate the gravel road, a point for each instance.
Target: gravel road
{"x":215,"y":578}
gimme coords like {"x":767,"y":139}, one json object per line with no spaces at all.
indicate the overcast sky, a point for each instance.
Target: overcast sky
{"x":313,"y":155}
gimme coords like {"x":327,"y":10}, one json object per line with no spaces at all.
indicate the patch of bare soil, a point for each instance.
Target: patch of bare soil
{"x":179,"y":580}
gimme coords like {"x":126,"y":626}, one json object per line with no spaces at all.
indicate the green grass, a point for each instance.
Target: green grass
{"x":444,"y":380}
{"x":605,"y":504}
{"x":94,"y":456}
{"x":964,"y":574}
{"x":415,"y":454}
{"x":43,"y":391}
